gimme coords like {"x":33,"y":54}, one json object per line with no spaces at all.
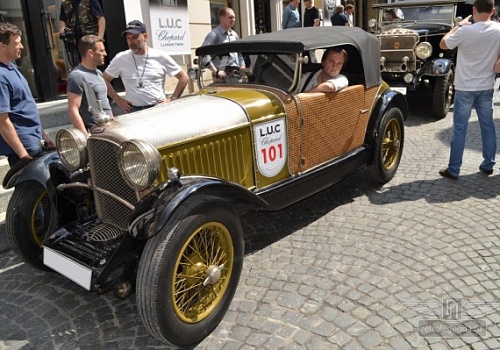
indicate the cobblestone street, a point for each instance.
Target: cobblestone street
{"x":412,"y":264}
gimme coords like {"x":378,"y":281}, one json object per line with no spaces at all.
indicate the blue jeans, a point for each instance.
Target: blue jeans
{"x":482,"y":101}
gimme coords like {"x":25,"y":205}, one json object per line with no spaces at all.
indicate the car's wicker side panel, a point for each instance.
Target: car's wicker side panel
{"x":294,"y":139}
{"x":370,"y":95}
{"x":331,"y":124}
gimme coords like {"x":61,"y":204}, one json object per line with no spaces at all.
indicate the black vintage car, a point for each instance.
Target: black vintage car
{"x":153,"y":200}
{"x":411,"y":61}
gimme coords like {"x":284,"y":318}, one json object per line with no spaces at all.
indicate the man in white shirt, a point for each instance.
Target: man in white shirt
{"x":142,"y":70}
{"x":478,"y":49}
{"x":349,"y":11}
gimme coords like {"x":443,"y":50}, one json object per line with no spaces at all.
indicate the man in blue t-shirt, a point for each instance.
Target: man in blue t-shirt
{"x":339,"y":18}
{"x":20,"y":126}
{"x":291,"y":16}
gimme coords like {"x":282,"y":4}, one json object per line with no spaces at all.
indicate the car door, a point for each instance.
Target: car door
{"x":331,"y":124}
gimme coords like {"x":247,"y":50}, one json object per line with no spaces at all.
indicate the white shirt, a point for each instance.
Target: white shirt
{"x":478,"y":49}
{"x":147,"y":70}
{"x":339,"y":82}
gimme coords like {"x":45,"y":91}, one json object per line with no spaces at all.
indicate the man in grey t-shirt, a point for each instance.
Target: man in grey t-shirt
{"x":91,"y":48}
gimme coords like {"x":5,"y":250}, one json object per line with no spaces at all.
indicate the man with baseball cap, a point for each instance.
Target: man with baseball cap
{"x":142,"y":70}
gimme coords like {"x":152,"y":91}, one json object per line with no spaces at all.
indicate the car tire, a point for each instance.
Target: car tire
{"x":442,"y":98}
{"x":388,"y":146}
{"x":27,"y":221}
{"x":203,"y":240}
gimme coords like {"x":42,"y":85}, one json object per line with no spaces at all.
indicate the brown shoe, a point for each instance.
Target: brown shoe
{"x":446,"y":173}
{"x":486,"y":172}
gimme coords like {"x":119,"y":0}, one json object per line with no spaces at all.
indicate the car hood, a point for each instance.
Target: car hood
{"x":183,"y":119}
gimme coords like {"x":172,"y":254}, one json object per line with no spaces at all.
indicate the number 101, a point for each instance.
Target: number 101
{"x":270,"y":154}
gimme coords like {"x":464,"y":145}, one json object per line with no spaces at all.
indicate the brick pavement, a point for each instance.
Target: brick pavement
{"x":354,"y":267}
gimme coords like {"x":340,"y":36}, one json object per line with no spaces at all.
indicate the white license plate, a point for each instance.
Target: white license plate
{"x":399,"y":89}
{"x":67,"y":267}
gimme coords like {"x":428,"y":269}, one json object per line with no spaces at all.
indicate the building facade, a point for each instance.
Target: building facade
{"x":47,"y":59}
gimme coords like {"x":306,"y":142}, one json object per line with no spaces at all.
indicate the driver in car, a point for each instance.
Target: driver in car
{"x":393,"y":15}
{"x":327,"y":79}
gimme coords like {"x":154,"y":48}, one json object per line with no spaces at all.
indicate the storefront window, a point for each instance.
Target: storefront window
{"x":63,"y":57}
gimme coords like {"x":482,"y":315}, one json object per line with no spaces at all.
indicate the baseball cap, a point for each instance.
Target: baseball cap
{"x":135,"y":27}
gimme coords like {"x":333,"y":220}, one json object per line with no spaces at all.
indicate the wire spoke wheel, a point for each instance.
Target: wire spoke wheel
{"x":202,"y":272}
{"x":391,"y":144}
{"x":189,"y":271}
{"x":40,"y":217}
{"x":388,"y":147}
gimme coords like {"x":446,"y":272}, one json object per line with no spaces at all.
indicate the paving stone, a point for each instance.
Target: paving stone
{"x":340,"y":338}
{"x":370,"y":340}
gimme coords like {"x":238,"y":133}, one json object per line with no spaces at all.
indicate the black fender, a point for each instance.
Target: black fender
{"x":36,"y":170}
{"x":152,"y":213}
{"x":388,"y":99}
{"x":436,"y":67}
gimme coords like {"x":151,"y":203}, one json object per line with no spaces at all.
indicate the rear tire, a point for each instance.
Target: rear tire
{"x":388,"y":147}
{"x":189,"y":272}
{"x":27,"y":221}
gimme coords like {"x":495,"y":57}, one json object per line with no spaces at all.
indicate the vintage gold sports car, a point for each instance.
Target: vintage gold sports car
{"x":151,"y":201}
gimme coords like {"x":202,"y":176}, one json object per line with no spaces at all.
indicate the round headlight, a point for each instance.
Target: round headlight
{"x":408,"y":78}
{"x":71,"y":145}
{"x":372,"y":23}
{"x":193,"y":74}
{"x":423,"y":50}
{"x":139,"y":163}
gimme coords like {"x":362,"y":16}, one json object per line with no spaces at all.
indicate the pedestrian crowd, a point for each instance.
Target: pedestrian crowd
{"x":343,"y":16}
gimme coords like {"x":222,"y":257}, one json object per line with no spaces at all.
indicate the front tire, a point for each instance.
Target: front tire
{"x":189,"y":272}
{"x":388,"y":146}
{"x":443,"y":95}
{"x":27,"y":221}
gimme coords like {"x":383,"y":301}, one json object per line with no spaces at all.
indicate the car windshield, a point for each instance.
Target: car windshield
{"x":436,"y":14}
{"x":270,"y":69}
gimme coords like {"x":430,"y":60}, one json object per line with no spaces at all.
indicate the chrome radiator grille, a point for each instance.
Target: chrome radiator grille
{"x":394,"y":48}
{"x":103,"y":156}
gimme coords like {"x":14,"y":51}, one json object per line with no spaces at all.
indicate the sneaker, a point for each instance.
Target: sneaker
{"x":486,"y":172}
{"x":446,"y":173}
